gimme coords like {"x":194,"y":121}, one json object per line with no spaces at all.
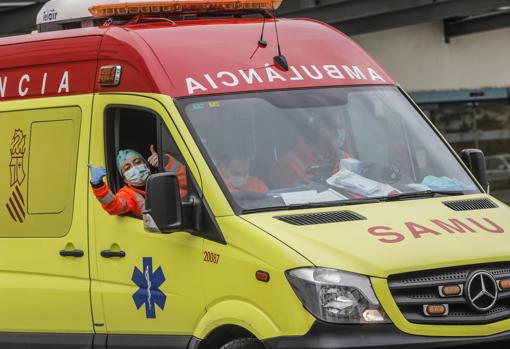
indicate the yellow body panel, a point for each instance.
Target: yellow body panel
{"x":232,"y":291}
{"x":178,"y":255}
{"x":349,"y":246}
{"x":42,"y":291}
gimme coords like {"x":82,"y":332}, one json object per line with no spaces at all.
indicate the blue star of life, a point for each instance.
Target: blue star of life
{"x":149,"y":294}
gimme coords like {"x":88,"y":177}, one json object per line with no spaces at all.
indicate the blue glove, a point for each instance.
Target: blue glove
{"x":97,"y":174}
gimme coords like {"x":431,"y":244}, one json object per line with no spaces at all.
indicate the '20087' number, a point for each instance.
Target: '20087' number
{"x":211,"y":257}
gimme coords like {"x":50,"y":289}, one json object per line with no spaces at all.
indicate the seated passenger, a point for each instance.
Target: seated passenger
{"x":324,"y":151}
{"x":236,"y":174}
{"x":134,"y":171}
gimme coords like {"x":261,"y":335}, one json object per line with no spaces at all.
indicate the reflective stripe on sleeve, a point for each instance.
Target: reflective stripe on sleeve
{"x":141,"y":201}
{"x":299,"y":163}
{"x":175,"y":167}
{"x":124,"y":206}
{"x":107,"y":199}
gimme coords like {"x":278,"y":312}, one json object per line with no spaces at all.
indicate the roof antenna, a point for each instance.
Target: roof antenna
{"x":262,"y":41}
{"x":279,"y":60}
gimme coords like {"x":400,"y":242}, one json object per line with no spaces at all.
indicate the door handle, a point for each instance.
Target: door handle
{"x":113,"y":254}
{"x":72,"y":253}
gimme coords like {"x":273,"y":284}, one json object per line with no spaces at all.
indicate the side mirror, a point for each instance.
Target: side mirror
{"x":475,"y":161}
{"x":164,"y":210}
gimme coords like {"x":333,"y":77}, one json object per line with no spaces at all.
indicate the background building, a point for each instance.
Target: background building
{"x":453,"y":56}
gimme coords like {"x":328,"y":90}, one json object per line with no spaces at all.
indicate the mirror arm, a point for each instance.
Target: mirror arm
{"x":192,"y":214}
{"x":197,"y":213}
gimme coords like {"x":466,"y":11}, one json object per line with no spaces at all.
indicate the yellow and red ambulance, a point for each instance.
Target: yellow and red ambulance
{"x":365,"y":229}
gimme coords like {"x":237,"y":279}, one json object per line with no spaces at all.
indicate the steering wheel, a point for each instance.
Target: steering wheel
{"x":381,"y":173}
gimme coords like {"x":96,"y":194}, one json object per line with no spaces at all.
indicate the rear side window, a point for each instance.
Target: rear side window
{"x":39,"y":158}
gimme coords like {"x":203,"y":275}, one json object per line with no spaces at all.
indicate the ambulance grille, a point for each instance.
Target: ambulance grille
{"x":471,"y":205}
{"x":413,"y":291}
{"x":321,"y":218}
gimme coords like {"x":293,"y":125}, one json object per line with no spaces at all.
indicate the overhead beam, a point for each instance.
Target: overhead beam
{"x":475,"y":25}
{"x":21,"y":19}
{"x":25,"y":1}
{"x":363,"y":16}
{"x":430,"y":13}
{"x":341,"y":10}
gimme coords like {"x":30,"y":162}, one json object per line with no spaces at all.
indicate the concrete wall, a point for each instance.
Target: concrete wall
{"x":418,"y":57}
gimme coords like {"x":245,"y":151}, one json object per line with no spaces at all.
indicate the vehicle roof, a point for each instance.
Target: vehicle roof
{"x":196,"y":57}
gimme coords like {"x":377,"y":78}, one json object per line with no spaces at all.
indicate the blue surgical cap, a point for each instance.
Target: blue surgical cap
{"x":125,"y":154}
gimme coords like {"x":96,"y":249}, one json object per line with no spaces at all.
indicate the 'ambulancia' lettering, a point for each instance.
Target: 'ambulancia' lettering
{"x":29,"y":84}
{"x":295,"y":74}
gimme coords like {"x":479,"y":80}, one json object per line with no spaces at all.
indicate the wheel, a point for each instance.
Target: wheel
{"x":244,"y":343}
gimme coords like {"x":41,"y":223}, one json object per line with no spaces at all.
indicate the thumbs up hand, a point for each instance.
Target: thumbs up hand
{"x":154,"y":158}
{"x":97,"y":174}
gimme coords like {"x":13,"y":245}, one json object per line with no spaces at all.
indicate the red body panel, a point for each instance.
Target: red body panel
{"x":190,"y":58}
{"x":55,"y":65}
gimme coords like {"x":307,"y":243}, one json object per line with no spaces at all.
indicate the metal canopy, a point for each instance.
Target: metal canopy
{"x":18,"y":16}
{"x":353,"y":17}
{"x":364,"y":16}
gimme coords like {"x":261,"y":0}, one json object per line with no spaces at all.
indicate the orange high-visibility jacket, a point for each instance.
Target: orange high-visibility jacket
{"x":127,"y":200}
{"x":293,"y":166}
{"x":253,"y":184}
{"x":132,"y":200}
{"x":179,"y":169}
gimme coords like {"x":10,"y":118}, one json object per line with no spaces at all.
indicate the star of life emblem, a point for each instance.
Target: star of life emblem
{"x":149,"y":283}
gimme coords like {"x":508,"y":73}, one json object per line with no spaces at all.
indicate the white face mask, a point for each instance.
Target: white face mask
{"x":137,"y":175}
{"x":238,"y":182}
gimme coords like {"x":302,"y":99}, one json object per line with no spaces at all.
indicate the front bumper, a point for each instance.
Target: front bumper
{"x":327,"y":336}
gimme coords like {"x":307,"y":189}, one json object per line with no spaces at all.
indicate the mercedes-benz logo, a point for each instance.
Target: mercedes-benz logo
{"x":482,"y":291}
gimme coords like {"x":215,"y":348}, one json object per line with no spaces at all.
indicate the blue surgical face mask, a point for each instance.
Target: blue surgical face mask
{"x":340,"y":138}
{"x":137,"y":175}
{"x":238,"y":182}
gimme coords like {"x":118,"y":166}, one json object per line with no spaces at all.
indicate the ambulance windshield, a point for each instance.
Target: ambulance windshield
{"x":292,"y":148}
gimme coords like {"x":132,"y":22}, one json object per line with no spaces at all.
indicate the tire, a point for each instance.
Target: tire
{"x":244,"y":343}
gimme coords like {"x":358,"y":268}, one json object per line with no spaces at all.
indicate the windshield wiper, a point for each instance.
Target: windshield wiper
{"x":421,"y":194}
{"x":313,"y":205}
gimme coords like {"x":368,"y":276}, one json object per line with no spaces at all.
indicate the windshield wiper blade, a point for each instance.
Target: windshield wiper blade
{"x":422,"y":194}
{"x":313,"y":205}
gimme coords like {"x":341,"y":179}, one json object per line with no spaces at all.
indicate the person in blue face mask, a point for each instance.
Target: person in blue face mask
{"x":129,"y":199}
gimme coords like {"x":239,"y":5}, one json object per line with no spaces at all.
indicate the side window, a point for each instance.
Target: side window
{"x":39,"y":160}
{"x":141,"y":130}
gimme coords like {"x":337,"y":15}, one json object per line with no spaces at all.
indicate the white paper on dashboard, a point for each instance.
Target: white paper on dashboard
{"x":354,"y":182}
{"x":311,"y":196}
{"x":358,"y":184}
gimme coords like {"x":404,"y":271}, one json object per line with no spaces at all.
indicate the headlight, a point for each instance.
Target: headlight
{"x":337,"y":296}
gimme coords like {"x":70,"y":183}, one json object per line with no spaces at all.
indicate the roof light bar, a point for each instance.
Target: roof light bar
{"x":181,"y":6}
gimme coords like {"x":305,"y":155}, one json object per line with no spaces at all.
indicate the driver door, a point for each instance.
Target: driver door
{"x":143,"y":283}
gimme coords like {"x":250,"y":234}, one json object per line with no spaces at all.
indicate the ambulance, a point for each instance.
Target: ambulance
{"x":364,"y":228}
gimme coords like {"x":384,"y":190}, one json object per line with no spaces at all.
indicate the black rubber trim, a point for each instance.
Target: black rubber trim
{"x":97,"y":186}
{"x":194,"y":343}
{"x":326,"y":336}
{"x":46,"y":341}
{"x":152,"y":342}
{"x":100,"y":341}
